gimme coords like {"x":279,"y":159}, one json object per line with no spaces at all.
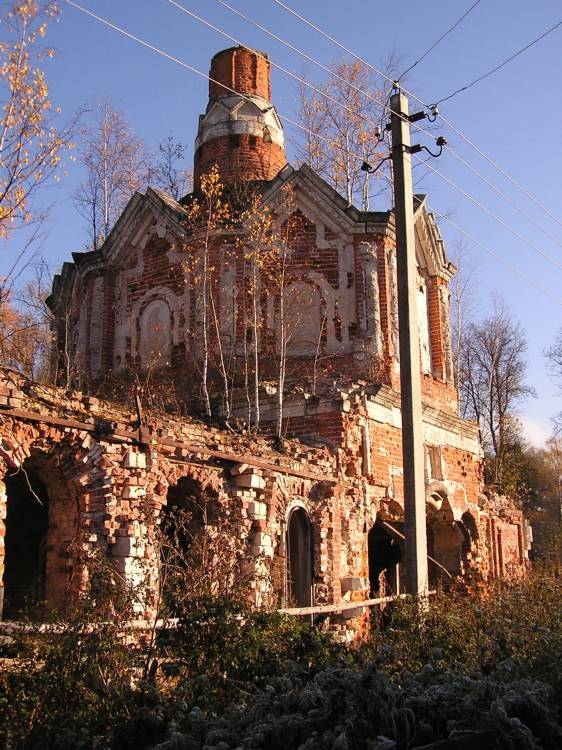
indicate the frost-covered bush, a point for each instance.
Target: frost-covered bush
{"x":483,"y":661}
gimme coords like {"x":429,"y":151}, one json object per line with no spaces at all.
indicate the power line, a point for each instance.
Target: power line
{"x":505,"y":197}
{"x":192,"y":69}
{"x":316,"y":135}
{"x":300,"y":52}
{"x":183,"y":64}
{"x":290,"y":73}
{"x":367,"y":95}
{"x":494,"y":216}
{"x":500,"y":169}
{"x":345,"y":49}
{"x":188,"y":12}
{"x":467,"y":140}
{"x":495,"y":255}
{"x":434,"y":45}
{"x":501,"y":65}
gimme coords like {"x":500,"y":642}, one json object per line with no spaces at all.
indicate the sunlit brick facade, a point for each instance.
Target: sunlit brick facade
{"x":330,"y":516}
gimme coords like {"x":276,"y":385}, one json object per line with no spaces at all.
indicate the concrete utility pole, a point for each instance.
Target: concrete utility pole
{"x":410,"y":380}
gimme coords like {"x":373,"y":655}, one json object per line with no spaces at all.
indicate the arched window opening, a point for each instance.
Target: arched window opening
{"x":27,"y":529}
{"x":192,"y":558}
{"x":385,"y":556}
{"x":40,"y":574}
{"x":299,"y":558}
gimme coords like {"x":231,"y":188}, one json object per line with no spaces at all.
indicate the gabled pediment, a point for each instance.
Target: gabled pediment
{"x":317,"y":200}
{"x":430,"y":247}
{"x":153,"y":209}
{"x":143,"y":211}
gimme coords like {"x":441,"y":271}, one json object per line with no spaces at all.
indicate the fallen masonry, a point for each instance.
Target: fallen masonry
{"x":266,"y":302}
{"x":77,"y":475}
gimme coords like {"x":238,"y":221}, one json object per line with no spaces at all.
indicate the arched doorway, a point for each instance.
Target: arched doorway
{"x":194,"y":555}
{"x":27,"y":528}
{"x":299,"y":558}
{"x":385,"y":556}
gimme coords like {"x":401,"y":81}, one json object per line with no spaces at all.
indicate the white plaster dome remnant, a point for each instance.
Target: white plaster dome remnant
{"x":234,"y":115}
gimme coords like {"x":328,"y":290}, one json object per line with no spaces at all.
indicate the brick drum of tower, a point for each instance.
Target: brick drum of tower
{"x":240,"y":132}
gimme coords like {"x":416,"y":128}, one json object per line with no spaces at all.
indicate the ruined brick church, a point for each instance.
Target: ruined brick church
{"x":83,"y":469}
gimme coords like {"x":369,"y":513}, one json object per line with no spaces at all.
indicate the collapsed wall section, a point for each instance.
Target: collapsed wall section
{"x":316,"y":526}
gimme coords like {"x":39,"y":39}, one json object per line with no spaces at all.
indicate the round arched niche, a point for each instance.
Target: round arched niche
{"x":155,"y":334}
{"x":40,"y":574}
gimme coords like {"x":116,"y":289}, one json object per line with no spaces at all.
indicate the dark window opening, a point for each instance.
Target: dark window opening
{"x":253,"y":141}
{"x":299,"y":558}
{"x":27,"y":526}
{"x":385,"y":555}
{"x":188,"y":515}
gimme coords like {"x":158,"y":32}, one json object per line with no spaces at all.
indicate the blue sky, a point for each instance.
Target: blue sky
{"x":514,"y":116}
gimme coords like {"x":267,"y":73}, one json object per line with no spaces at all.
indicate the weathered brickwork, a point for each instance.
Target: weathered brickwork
{"x":324,"y":518}
{"x":239,"y":156}
{"x":105,"y":492}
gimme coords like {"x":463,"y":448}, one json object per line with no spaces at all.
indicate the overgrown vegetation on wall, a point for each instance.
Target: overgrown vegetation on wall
{"x":228,"y":677}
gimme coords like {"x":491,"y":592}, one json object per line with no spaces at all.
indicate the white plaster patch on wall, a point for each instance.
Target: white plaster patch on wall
{"x":303,"y":318}
{"x":346,"y":289}
{"x":440,"y":436}
{"x":155,"y":334}
{"x":423,"y":325}
{"x":96,"y":327}
{"x":228,"y":306}
{"x":432,"y":433}
{"x":158,"y":315}
{"x":82,"y":337}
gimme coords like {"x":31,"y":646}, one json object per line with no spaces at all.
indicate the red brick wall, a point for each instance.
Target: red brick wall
{"x":239,"y":157}
{"x":466,"y":469}
{"x":241,"y":69}
{"x":436,"y":327}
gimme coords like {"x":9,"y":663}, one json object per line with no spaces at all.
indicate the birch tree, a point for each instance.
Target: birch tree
{"x":462,"y":305}
{"x":116,"y":164}
{"x":25,"y":330}
{"x":343,"y":120}
{"x":554,"y":358}
{"x":281,"y":273}
{"x":209,"y":221}
{"x":168,"y":172}
{"x":257,"y":244}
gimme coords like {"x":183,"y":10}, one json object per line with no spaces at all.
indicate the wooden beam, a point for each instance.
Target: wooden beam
{"x":59,"y":628}
{"x":133,"y":436}
{"x":343,"y":606}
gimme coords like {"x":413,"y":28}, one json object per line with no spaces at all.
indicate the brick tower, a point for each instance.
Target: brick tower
{"x":242,"y":135}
